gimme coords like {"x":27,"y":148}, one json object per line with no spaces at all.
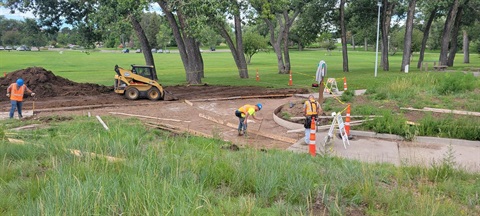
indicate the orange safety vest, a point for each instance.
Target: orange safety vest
{"x":311,"y":107}
{"x":244,"y":109}
{"x":17,"y":93}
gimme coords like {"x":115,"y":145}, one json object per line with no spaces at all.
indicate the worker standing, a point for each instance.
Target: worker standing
{"x":311,"y":110}
{"x":16,"y":91}
{"x":243,"y":113}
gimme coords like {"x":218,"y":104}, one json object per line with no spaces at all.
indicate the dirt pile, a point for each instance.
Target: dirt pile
{"x":45,"y":84}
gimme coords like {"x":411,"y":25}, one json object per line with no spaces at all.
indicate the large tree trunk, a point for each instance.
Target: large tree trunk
{"x":426,"y":33}
{"x":242,"y":62}
{"x":344,"y":36}
{"x":365,"y":44}
{"x":238,"y":55}
{"x":280,"y":41}
{"x":466,"y":50}
{"x":447,"y":31}
{"x":454,"y":41}
{"x":276,"y":43}
{"x":286,"y":30}
{"x":353,"y":42}
{"x":236,"y":47}
{"x":187,"y":46}
{"x":407,"y":45}
{"x":147,"y":51}
{"x":386,"y":19}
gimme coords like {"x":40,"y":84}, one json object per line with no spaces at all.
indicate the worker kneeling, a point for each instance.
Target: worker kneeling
{"x":243,"y":113}
{"x":311,"y":110}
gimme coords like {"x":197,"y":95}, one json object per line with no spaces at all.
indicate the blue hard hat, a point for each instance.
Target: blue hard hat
{"x":259,"y":105}
{"x":20,"y":82}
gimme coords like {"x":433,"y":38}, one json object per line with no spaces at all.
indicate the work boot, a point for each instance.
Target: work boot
{"x":240,"y":132}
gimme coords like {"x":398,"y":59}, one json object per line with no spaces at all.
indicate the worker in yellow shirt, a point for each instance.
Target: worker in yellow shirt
{"x":311,"y":110}
{"x":243,"y":113}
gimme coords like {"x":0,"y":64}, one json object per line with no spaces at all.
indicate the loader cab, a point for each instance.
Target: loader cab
{"x":145,"y":71}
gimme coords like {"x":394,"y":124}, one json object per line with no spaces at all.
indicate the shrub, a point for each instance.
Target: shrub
{"x":455,"y":83}
{"x":391,"y":124}
{"x":347,"y":96}
{"x":451,"y":127}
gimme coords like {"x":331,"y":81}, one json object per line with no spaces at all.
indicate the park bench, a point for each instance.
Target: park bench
{"x":440,"y":67}
{"x":424,"y":65}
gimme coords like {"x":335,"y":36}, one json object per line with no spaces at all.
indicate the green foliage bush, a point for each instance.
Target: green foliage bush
{"x":450,"y":127}
{"x":389,"y":123}
{"x":348,"y":95}
{"x":455,"y":83}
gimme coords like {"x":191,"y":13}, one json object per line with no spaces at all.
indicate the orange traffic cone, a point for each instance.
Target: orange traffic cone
{"x":347,"y":122}
{"x":344,"y":83}
{"x":290,"y":82}
{"x":258,"y":77}
{"x":313,"y":130}
{"x":4,"y":74}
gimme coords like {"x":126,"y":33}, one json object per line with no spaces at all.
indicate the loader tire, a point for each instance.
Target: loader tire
{"x":132,"y":93}
{"x":154,"y":94}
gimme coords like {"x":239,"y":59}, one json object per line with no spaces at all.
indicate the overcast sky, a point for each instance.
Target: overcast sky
{"x":17,"y":15}
{"x":21,"y":16}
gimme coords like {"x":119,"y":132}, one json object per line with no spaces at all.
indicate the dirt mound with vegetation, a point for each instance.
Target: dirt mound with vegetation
{"x":45,"y":84}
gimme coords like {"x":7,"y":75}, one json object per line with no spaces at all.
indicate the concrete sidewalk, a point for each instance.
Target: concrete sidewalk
{"x":398,"y":152}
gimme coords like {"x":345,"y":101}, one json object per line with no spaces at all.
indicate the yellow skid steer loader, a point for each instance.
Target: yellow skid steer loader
{"x":140,"y":81}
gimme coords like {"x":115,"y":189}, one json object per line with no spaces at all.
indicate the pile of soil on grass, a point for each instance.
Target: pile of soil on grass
{"x":45,"y":84}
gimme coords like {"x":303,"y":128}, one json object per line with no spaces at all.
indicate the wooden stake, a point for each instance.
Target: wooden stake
{"x":188,"y":102}
{"x":148,"y":117}
{"x":103,"y":123}
{"x":79,"y":153}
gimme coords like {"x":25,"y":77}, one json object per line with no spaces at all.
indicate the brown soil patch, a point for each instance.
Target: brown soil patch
{"x":295,"y":109}
{"x":45,"y":84}
{"x":206,"y":91}
{"x":55,"y":91}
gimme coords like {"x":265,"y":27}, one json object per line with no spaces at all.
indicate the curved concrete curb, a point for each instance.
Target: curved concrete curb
{"x":447,"y":141}
{"x":285,"y":123}
{"x":421,"y":139}
{"x":375,"y":135}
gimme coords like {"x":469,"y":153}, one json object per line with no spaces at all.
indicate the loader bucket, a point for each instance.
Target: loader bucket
{"x":169,"y":96}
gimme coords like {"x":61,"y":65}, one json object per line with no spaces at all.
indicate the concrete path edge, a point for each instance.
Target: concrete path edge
{"x":421,"y":139}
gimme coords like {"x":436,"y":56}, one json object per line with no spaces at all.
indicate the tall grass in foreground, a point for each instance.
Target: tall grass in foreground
{"x":186,"y":175}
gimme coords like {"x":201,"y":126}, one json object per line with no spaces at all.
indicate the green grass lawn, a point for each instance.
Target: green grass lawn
{"x":187,"y":175}
{"x":97,"y":67}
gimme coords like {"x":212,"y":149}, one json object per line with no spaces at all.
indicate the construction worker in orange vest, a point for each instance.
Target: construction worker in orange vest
{"x":15,"y":92}
{"x":311,"y":110}
{"x":243,"y":113}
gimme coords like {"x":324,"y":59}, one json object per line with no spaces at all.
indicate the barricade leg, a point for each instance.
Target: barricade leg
{"x":347,"y":122}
